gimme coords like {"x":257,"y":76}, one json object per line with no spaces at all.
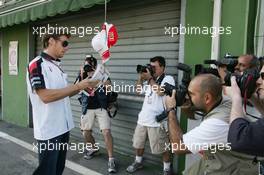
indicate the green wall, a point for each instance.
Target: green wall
{"x":15,"y":103}
{"x":240,"y":15}
{"x":235,"y":13}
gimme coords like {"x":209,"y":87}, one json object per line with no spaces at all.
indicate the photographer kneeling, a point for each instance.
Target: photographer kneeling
{"x":245,"y":136}
{"x":94,"y":105}
{"x":210,"y":137}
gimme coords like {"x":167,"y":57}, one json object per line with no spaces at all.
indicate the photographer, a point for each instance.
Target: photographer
{"x":245,"y":136}
{"x":153,"y":105}
{"x":210,"y":137}
{"x":94,"y":105}
{"x":245,"y":62}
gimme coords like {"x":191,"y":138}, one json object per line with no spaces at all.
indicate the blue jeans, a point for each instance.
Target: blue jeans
{"x":52,"y":155}
{"x":261,"y":168}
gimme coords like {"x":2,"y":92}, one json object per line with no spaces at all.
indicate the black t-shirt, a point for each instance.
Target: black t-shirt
{"x":93,"y":102}
{"x":247,"y":137}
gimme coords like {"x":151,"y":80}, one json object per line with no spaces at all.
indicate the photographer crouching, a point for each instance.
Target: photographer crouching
{"x":147,"y":126}
{"x":210,"y":137}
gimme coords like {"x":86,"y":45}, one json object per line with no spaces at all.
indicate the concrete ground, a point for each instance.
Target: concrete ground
{"x":15,"y":159}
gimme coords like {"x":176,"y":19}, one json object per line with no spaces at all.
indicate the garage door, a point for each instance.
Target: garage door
{"x":141,"y":31}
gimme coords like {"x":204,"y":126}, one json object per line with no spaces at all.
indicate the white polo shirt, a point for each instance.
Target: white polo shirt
{"x":153,"y":105}
{"x":52,"y":119}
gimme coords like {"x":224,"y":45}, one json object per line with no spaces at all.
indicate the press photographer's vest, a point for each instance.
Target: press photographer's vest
{"x":223,"y":162}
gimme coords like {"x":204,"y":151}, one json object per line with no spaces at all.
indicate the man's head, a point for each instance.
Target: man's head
{"x":158,"y":63}
{"x":56,"y":44}
{"x":246,"y":62}
{"x":205,"y":91}
{"x":90,"y":65}
{"x":260,"y":84}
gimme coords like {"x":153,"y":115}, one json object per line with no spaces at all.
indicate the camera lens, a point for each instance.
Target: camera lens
{"x":87,"y":68}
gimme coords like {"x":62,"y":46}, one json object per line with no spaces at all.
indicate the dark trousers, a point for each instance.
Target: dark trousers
{"x":261,"y":168}
{"x":52,"y":155}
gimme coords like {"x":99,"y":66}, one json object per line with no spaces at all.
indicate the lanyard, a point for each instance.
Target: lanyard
{"x":54,"y":64}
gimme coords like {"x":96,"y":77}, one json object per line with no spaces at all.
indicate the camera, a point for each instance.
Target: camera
{"x":228,"y":61}
{"x":141,"y":68}
{"x":162,"y":116}
{"x":246,"y":82}
{"x":181,"y":90}
{"x":112,"y":97}
{"x":90,"y":64}
{"x":112,"y":105}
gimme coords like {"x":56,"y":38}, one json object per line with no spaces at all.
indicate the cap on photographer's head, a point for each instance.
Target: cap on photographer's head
{"x":56,"y":43}
{"x":245,"y":62}
{"x":158,"y":63}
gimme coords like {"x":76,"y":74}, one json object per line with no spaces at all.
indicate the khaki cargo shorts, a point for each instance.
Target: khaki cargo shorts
{"x":158,"y":138}
{"x":87,"y":120}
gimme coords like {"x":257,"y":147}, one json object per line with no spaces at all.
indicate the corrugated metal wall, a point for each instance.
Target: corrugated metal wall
{"x":141,"y":31}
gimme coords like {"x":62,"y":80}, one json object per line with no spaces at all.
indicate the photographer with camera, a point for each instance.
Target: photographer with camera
{"x":153,"y":105}
{"x":245,"y":136}
{"x":95,"y":105}
{"x":210,"y":137}
{"x":246,"y":64}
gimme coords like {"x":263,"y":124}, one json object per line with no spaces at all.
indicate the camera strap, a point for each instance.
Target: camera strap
{"x":246,"y":99}
{"x":160,"y":79}
{"x":49,"y":60}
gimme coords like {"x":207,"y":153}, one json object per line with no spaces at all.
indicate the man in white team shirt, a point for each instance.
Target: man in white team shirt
{"x":153,"y":105}
{"x":49,"y":95}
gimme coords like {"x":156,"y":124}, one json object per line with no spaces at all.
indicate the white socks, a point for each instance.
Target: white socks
{"x":111,"y":159}
{"x":139,"y":159}
{"x":166,"y":165}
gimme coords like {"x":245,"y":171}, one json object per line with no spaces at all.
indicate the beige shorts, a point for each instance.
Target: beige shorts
{"x":158,"y":138}
{"x":87,"y":120}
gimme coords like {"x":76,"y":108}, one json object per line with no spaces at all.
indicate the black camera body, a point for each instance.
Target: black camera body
{"x":141,"y":69}
{"x":228,"y":61}
{"x":200,"y":69}
{"x":181,"y":90}
{"x":246,"y":82}
{"x":86,"y":69}
{"x":162,"y":116}
{"x":112,"y":97}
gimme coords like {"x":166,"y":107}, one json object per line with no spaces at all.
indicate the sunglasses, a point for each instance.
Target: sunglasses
{"x":262,"y":75}
{"x":64,"y":43}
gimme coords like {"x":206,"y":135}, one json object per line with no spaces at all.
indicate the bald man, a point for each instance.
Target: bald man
{"x":209,"y":139}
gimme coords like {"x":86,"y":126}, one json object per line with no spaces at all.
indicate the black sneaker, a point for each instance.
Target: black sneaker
{"x":89,"y":154}
{"x":111,"y":166}
{"x":134,"y":167}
